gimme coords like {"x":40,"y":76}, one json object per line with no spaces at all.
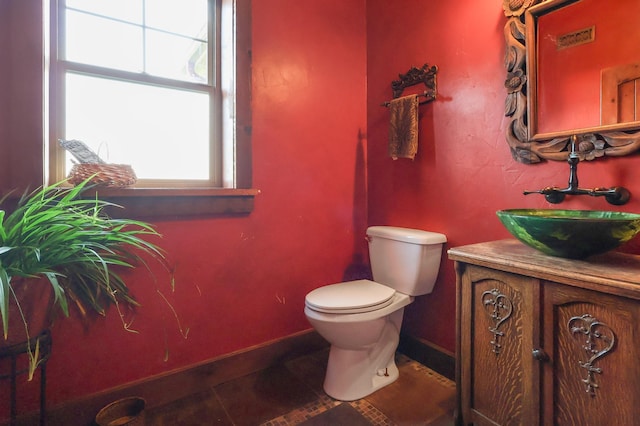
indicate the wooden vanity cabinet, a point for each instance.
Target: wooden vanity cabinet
{"x":544,"y":340}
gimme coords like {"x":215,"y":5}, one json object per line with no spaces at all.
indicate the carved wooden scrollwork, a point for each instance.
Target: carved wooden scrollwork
{"x":515,"y":62}
{"x":594,"y":143}
{"x":499,"y":307}
{"x":600,"y":341}
{"x":516,"y":7}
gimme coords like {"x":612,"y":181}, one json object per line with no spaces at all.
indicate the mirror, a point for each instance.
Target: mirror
{"x":573,"y":67}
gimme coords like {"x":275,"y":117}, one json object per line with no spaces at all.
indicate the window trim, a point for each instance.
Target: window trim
{"x":237,"y":193}
{"x":172,"y":202}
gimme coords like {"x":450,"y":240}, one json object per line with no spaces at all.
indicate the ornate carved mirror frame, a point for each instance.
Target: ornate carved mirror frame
{"x":520,"y":33}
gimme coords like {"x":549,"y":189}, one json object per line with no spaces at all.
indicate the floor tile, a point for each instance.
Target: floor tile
{"x":311,"y":369}
{"x":419,"y":394}
{"x":303,"y":413}
{"x":341,"y":415}
{"x":291,"y":394}
{"x":199,"y":409}
{"x":264,"y":395}
{"x":371,"y":413}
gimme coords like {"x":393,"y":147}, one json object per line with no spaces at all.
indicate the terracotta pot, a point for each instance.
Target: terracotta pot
{"x":126,"y":411}
{"x":35,"y":297}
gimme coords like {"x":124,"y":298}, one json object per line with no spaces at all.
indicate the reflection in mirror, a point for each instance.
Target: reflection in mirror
{"x":571,"y":66}
{"x":578,"y":45}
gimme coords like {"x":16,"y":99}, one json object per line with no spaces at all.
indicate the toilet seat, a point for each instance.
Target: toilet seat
{"x":350,"y":297}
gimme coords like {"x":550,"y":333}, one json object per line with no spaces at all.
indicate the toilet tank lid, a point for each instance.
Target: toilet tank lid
{"x":415,"y":236}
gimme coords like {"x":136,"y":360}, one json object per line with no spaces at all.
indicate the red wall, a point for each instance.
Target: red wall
{"x":321,"y":68}
{"x":463,"y":172}
{"x":241,"y":281}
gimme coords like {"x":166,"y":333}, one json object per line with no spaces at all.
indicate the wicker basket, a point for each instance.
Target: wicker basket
{"x":102,"y":174}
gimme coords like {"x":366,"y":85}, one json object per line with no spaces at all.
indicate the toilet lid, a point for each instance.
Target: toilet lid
{"x":350,"y":297}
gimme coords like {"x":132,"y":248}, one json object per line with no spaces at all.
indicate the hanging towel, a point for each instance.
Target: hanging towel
{"x":403,"y":128}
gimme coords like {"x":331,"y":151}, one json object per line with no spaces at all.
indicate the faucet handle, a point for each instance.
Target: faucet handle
{"x":618,"y":196}
{"x":551,"y":194}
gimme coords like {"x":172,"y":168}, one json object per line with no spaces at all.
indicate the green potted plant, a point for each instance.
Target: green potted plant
{"x":57,"y":239}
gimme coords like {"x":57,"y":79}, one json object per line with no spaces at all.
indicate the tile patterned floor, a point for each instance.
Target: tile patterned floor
{"x":291,"y":394}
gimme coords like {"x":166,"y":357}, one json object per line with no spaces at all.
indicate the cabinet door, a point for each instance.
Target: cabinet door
{"x":593,"y":340}
{"x":499,"y":327}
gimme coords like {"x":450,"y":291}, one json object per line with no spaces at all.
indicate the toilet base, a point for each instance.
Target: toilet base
{"x":362,"y":355}
{"x":351,"y":375}
{"x":355,"y":373}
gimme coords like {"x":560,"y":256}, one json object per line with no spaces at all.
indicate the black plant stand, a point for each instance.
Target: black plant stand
{"x":18,"y":350}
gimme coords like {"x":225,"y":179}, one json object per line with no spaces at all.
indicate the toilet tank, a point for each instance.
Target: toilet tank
{"x":405,"y":259}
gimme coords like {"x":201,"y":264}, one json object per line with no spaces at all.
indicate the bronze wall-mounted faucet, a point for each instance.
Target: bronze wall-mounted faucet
{"x":616,"y":195}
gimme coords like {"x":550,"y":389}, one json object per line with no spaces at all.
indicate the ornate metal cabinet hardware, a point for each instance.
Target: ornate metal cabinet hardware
{"x":499,"y":307}
{"x":600,"y":340}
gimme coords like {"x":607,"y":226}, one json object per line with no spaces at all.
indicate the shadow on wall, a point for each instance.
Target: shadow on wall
{"x":359,"y":267}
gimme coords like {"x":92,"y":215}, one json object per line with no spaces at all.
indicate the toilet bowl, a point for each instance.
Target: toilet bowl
{"x":361,"y":319}
{"x":363,"y":344}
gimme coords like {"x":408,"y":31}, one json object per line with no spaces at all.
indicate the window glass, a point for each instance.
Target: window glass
{"x":103,"y":42}
{"x":169,"y":41}
{"x":184,"y":17}
{"x":137,"y":88}
{"x":125,"y":10}
{"x":162,"y":133}
{"x":176,"y":57}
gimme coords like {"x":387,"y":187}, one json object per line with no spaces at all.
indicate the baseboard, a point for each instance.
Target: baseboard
{"x":161,"y":389}
{"x":429,"y":355}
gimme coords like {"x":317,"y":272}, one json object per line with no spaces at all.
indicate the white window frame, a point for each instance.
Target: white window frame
{"x":231,"y":147}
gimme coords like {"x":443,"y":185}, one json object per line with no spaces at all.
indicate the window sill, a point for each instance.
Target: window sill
{"x":176,"y":202}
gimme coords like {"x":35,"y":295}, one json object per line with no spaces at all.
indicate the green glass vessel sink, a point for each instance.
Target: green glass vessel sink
{"x":573,"y":234}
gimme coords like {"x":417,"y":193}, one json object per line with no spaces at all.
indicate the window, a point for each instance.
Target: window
{"x":153,"y":84}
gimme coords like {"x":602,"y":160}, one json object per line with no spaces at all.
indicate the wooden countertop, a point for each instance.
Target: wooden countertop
{"x":612,"y":272}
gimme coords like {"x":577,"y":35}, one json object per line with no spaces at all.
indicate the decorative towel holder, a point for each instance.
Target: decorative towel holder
{"x":425,"y":75}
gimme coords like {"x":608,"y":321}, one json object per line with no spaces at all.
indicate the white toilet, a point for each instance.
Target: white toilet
{"x":361,"y":319}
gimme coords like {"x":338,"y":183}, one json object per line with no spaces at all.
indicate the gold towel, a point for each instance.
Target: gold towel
{"x":403,"y":128}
